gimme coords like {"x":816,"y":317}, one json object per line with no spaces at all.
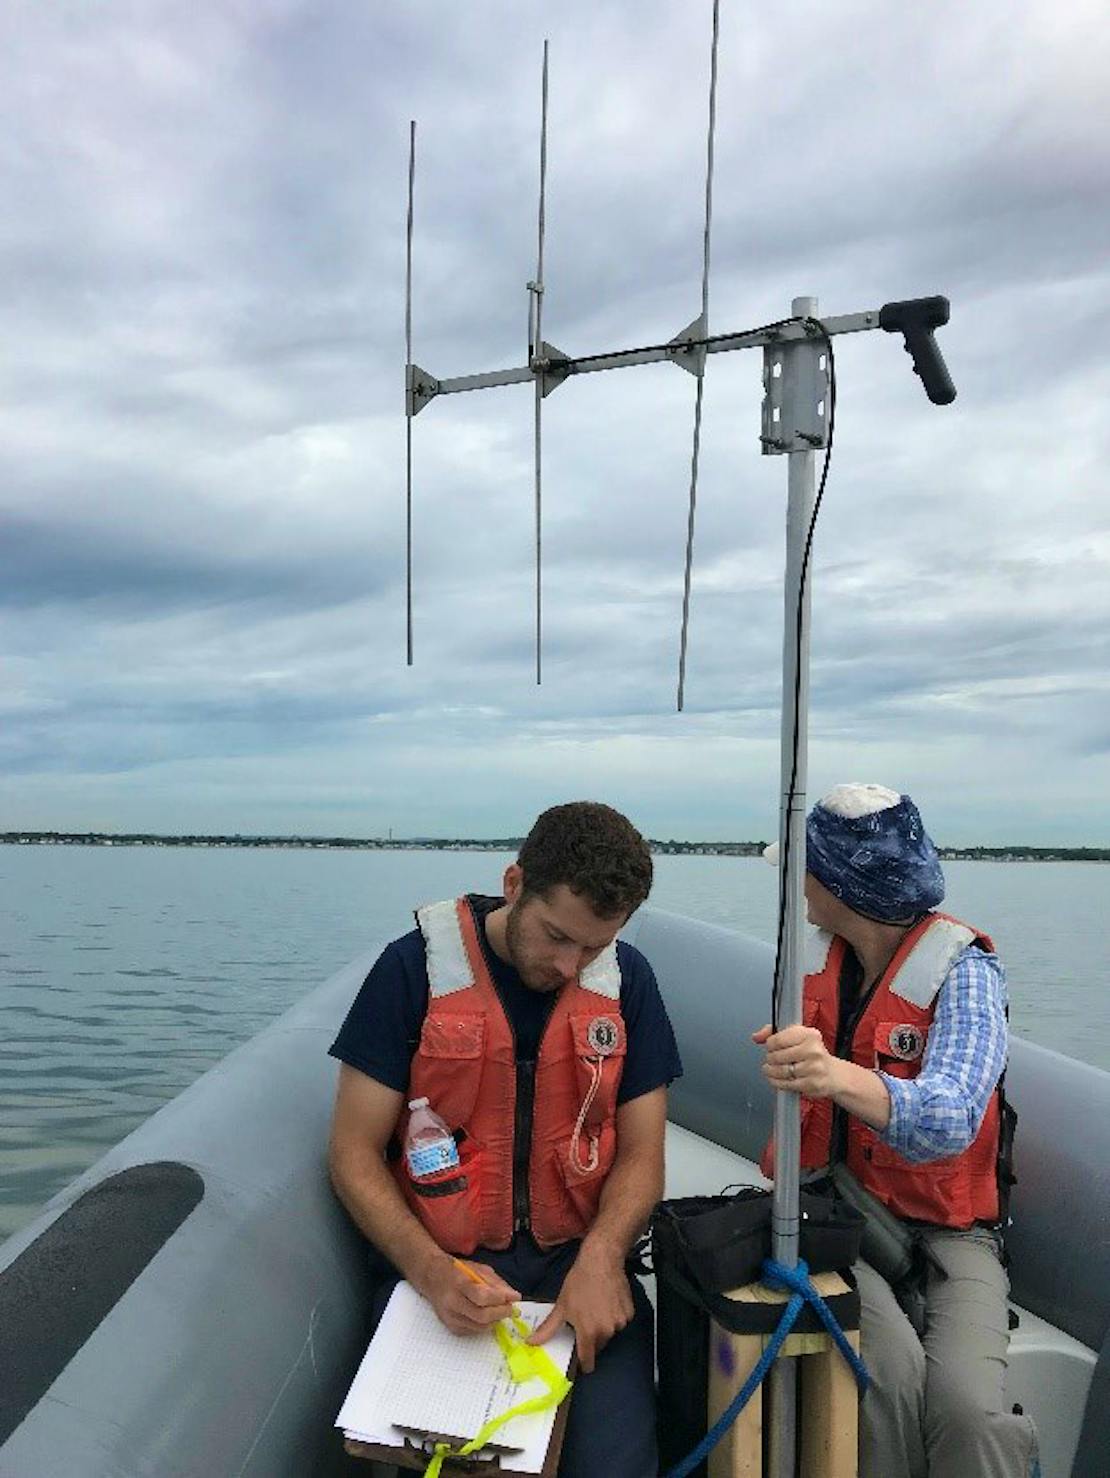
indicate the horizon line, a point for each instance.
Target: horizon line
{"x":30,"y":837}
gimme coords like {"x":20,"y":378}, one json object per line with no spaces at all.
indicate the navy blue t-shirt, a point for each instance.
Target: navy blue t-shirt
{"x":382,"y":1029}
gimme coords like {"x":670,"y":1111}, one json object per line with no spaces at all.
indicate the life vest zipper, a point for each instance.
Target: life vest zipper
{"x":523,"y":1116}
{"x":524,"y":1124}
{"x":524,"y":1095}
{"x":838,"y":1129}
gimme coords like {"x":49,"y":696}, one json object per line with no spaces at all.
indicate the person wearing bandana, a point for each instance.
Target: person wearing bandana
{"x":899,"y":1064}
{"x":543,"y":1043}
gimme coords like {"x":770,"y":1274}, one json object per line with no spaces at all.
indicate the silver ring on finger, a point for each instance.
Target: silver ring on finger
{"x":792,"y":1069}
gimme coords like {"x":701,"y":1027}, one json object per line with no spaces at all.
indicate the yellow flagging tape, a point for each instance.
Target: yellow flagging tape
{"x":526,"y":1362}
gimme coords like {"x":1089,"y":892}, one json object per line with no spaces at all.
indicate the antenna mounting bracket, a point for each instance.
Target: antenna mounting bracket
{"x":420,"y":388}
{"x":552,"y":366}
{"x":796,"y":396}
{"x":687,"y":349}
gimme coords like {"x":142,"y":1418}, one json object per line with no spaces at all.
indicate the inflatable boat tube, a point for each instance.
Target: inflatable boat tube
{"x":194,"y":1304}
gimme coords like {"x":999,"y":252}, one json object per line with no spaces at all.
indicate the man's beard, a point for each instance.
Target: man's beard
{"x":532,"y":975}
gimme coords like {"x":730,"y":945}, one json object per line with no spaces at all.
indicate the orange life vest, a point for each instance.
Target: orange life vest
{"x":545,"y":1174}
{"x":890,"y":1035}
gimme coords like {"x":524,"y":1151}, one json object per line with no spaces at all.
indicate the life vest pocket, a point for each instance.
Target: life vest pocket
{"x":597,"y":1149}
{"x":447,"y":1203}
{"x":930,"y":1191}
{"x":582,"y":1186}
{"x":899,"y":1047}
{"x":599,"y":1045}
{"x":447,"y":1067}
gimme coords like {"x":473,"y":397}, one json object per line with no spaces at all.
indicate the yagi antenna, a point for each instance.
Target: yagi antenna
{"x":794,"y":415}
{"x":797,"y":421}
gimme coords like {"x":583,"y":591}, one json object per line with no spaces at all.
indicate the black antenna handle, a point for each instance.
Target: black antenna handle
{"x":915,"y":320}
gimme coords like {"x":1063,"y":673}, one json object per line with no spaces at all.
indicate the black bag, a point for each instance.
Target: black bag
{"x":704,"y":1246}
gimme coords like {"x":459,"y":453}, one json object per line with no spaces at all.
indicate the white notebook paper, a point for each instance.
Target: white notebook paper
{"x":418,"y":1377}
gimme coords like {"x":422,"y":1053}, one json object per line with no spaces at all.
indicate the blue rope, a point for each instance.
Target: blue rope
{"x":802,"y":1291}
{"x":797,"y":1279}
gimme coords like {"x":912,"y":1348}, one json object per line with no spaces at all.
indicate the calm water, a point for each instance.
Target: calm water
{"x":126,"y":972}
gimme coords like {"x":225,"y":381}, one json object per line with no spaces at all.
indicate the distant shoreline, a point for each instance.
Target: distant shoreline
{"x":496,"y":844}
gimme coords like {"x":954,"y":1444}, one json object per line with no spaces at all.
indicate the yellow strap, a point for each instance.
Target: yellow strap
{"x":526,"y":1362}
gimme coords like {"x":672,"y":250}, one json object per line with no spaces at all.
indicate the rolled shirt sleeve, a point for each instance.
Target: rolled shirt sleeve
{"x":938,"y":1113}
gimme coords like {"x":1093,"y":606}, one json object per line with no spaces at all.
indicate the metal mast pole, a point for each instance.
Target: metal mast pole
{"x":792,"y":856}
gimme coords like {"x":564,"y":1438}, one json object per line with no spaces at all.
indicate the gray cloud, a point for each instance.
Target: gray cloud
{"x":202,"y":445}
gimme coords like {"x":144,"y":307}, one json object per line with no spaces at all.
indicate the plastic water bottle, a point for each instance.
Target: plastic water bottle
{"x":429,"y":1145}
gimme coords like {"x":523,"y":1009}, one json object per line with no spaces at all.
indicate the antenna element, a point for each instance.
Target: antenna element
{"x":699,"y":329}
{"x":536,"y":352}
{"x":410,"y":388}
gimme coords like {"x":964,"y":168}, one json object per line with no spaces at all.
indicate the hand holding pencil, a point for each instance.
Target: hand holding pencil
{"x":467,"y":1300}
{"x":487,"y":1278}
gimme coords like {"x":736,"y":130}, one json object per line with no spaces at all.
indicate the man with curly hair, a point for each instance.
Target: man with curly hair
{"x":544,"y":1045}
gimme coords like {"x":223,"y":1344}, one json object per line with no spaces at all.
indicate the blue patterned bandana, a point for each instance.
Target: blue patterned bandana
{"x":881,"y":864}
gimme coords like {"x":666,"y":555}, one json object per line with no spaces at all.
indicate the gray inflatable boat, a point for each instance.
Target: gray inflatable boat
{"x":194,"y":1304}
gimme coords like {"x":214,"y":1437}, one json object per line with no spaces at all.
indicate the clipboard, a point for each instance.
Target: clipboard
{"x":387,"y":1417}
{"x":413,"y":1456}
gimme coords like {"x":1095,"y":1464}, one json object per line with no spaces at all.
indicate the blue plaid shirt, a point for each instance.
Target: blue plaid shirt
{"x":938,"y":1113}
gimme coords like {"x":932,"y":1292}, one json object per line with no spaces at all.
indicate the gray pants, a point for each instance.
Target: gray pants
{"x":937,"y":1406}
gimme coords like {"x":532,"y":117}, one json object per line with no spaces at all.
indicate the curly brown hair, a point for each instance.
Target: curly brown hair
{"x":594,"y":850}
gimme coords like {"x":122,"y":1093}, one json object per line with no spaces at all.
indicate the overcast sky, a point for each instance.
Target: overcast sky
{"x":202,"y":250}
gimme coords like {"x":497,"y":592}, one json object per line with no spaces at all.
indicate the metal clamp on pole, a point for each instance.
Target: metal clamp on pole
{"x":795,"y":394}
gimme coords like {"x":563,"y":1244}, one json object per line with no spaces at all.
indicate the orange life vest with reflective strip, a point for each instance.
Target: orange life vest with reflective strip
{"x":890,"y":1035}
{"x":465,"y":1065}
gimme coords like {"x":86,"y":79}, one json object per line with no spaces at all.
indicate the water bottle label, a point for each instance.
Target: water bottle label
{"x":426,"y":1159}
